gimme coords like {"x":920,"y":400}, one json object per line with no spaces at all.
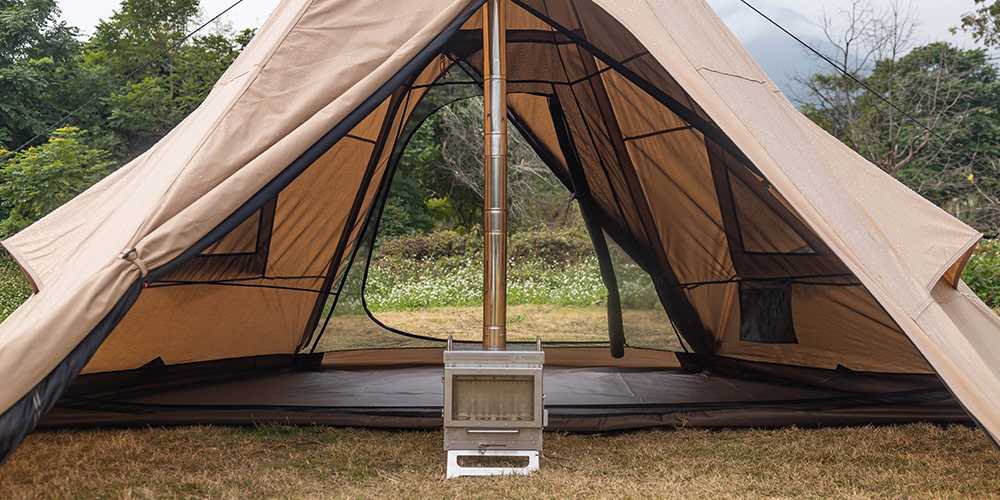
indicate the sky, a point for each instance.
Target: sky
{"x":779,"y":55}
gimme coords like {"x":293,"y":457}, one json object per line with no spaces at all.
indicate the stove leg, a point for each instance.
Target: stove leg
{"x":455,"y":470}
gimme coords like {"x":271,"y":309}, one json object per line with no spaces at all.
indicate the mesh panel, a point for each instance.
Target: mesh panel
{"x":362,"y":313}
{"x":761,"y":229}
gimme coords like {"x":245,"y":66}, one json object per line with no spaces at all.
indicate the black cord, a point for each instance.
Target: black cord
{"x":117,"y":83}
{"x":168,"y":284}
{"x":846,"y":73}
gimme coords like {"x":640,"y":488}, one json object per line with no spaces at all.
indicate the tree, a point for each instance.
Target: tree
{"x":454,"y":172}
{"x":174,"y":80}
{"x":983,"y":23}
{"x":944,"y":147}
{"x":35,"y":181}
{"x":406,"y":209}
{"x":862,"y":36}
{"x":36,"y":51}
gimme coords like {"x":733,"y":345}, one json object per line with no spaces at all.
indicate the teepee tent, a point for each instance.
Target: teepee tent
{"x":810,"y":286}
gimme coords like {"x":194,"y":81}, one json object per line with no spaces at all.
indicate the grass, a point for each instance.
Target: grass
{"x":273,"y":461}
{"x":407,"y":284}
{"x":643,"y":327}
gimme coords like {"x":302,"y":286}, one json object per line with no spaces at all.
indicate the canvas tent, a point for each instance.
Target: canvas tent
{"x":810,"y":286}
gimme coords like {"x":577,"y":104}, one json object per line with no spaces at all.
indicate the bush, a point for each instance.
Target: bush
{"x":14,"y":288}
{"x":982,"y":273}
{"x":35,"y":181}
{"x":563,"y":245}
{"x":436,"y":245}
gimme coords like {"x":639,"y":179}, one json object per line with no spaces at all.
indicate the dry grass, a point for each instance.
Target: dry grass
{"x":643,"y":328}
{"x":271,"y":461}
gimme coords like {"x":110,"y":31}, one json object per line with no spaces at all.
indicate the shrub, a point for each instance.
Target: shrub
{"x":435,"y":245}
{"x":982,"y":273}
{"x":35,"y":181}
{"x":563,"y":245}
{"x":14,"y":288}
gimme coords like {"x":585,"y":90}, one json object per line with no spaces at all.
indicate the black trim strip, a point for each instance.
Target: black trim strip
{"x":792,"y":279}
{"x":850,"y":400}
{"x":23,"y":416}
{"x":588,"y":209}
{"x":658,"y":132}
{"x":170,"y":284}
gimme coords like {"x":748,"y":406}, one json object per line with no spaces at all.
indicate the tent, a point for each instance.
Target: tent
{"x":810,"y":287}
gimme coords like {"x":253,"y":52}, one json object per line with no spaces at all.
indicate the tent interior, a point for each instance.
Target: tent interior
{"x":758,"y":322}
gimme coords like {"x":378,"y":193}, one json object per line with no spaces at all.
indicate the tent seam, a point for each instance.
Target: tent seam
{"x":734,"y":75}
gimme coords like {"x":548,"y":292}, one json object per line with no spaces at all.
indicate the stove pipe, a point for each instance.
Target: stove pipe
{"x":495,"y":210}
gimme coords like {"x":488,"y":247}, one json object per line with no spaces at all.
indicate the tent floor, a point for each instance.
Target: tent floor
{"x":578,"y":399}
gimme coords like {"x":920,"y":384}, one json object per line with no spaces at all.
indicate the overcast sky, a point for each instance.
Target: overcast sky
{"x":775,"y":52}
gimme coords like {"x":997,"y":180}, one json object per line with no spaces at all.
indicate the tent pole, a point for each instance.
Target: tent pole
{"x":495,"y":209}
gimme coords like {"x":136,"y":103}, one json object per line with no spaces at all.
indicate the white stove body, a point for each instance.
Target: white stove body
{"x":493,"y":406}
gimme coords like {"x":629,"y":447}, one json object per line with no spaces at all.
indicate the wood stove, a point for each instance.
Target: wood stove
{"x":492,"y":395}
{"x":493,"y":407}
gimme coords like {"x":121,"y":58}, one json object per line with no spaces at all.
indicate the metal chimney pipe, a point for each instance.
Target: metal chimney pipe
{"x":495,"y":210}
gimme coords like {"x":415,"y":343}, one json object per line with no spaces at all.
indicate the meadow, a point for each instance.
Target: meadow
{"x":916,"y":461}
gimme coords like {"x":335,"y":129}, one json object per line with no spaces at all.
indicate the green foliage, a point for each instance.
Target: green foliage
{"x":139,"y":31}
{"x":458,"y":203}
{"x":571,"y":244}
{"x":35,"y":51}
{"x":951,"y":91}
{"x":45,"y":71}
{"x":444,"y":269}
{"x":436,"y":245}
{"x":35,"y":181}
{"x":982,"y":273}
{"x":14,"y":288}
{"x":171,"y":86}
{"x":405,"y":210}
{"x":984,"y":23}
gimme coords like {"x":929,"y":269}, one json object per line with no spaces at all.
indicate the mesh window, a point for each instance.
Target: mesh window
{"x":385,"y":301}
{"x":646,"y":323}
{"x":241,"y":253}
{"x":766,"y":313}
{"x":762,"y":229}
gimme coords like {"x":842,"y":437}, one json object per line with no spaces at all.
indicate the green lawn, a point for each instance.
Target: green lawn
{"x":581,"y":323}
{"x":271,"y":461}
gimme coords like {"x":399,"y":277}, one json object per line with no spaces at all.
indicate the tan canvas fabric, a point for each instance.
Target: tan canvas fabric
{"x":898,"y":245}
{"x":657,"y":181}
{"x":296,"y":80}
